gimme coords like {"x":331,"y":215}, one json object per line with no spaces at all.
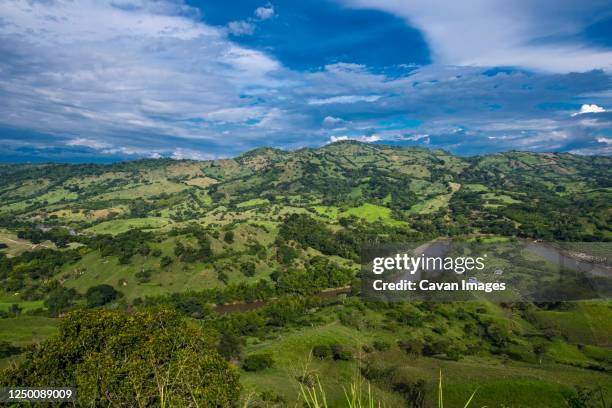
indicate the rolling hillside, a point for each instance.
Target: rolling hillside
{"x":274,"y":228}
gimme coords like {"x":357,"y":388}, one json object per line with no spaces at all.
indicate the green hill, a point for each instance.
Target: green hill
{"x":272,"y":229}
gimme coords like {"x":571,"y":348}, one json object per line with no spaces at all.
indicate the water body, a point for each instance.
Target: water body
{"x":556,"y":255}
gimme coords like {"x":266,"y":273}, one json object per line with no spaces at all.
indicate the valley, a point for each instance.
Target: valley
{"x":261,"y":253}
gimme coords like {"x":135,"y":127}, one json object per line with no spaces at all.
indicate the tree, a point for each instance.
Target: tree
{"x":258,"y":362}
{"x":248,"y":269}
{"x":100,"y":295}
{"x":229,"y":237}
{"x":230,"y":345}
{"x":60,"y":300}
{"x":165,"y":261}
{"x":15,"y":309}
{"x":7,"y":349}
{"x":151,"y":358}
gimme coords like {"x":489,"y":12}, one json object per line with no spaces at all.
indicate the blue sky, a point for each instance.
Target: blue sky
{"x":107,"y":80}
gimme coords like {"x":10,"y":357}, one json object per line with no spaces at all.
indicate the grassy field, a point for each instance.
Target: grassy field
{"x":25,"y":305}
{"x":114,"y":227}
{"x":588,"y":322}
{"x":516,"y":384}
{"x":25,"y":330}
{"x":372,"y":213}
{"x":436,"y":203}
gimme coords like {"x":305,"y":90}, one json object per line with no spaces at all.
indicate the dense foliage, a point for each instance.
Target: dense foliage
{"x":151,"y":358}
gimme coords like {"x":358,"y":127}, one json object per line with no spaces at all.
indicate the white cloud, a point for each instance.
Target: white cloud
{"x":147,"y":78}
{"x":241,"y":28}
{"x":84,"y":142}
{"x":415,"y":138}
{"x":589,"y":108}
{"x":370,"y":139}
{"x":103,"y":67}
{"x":190,"y":154}
{"x":107,"y":148}
{"x":248,"y":26}
{"x":344,"y":99}
{"x":365,"y":139}
{"x":501,"y":33}
{"x":591,"y":151}
{"x":604,"y":140}
{"x":264,"y":13}
{"x":330,"y":121}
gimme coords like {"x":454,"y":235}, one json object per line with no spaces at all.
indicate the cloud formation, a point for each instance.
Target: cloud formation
{"x":501,"y":33}
{"x":589,"y":108}
{"x":264,"y":13}
{"x":248,"y":26}
{"x":132,"y":78}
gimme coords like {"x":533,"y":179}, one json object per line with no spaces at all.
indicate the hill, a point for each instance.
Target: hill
{"x":273,"y":230}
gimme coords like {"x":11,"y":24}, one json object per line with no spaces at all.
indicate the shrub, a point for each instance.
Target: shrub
{"x":230,"y":345}
{"x":143,"y":276}
{"x":272,"y":397}
{"x":367,"y":348}
{"x":322,"y":351}
{"x":248,"y":269}
{"x":7,"y":349}
{"x":454,"y":353}
{"x":411,"y":346}
{"x":381,"y":345}
{"x":340,"y":353}
{"x":229,"y":237}
{"x":60,"y":299}
{"x":258,"y":362}
{"x":433,"y":347}
{"x":412,"y":391}
{"x":100,"y":295}
{"x":375,"y":370}
{"x":165,"y":261}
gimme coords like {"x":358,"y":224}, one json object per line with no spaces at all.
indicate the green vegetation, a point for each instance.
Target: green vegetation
{"x":149,"y":358}
{"x":186,"y":266}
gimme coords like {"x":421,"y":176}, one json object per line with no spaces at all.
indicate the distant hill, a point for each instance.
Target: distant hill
{"x":408,"y":184}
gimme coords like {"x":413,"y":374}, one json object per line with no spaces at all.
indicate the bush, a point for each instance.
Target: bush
{"x":100,"y":295}
{"x":411,"y":346}
{"x":229,"y":237}
{"x":143,"y":276}
{"x":258,"y":362}
{"x":412,"y":391}
{"x":7,"y":349}
{"x":60,"y":300}
{"x":381,"y":345}
{"x":248,"y":269}
{"x":165,"y":261}
{"x":340,"y":353}
{"x":454,"y":353}
{"x":272,"y":397}
{"x":322,"y":351}
{"x":230,"y":345}
{"x":433,"y":347}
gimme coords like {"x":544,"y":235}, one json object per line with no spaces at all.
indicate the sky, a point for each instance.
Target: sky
{"x":107,"y":80}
